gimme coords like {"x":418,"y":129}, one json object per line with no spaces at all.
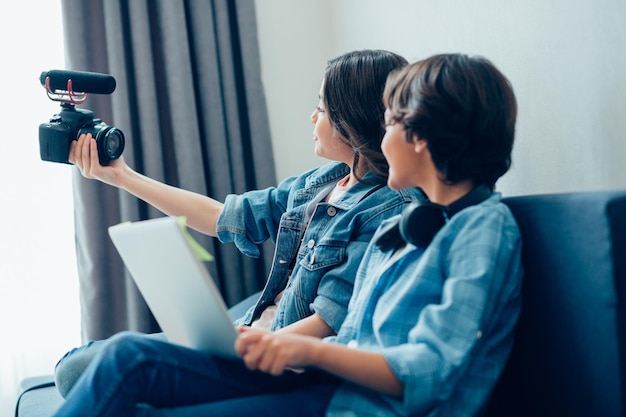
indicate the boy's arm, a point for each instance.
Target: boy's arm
{"x":275,"y":352}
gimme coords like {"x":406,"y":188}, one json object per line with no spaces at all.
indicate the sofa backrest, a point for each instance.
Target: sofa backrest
{"x":569,"y":358}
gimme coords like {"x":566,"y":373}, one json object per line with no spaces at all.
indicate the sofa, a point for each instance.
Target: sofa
{"x":569,"y":357}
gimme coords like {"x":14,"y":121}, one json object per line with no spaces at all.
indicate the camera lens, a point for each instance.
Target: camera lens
{"x":110,"y":143}
{"x":110,"y":140}
{"x":113,"y":143}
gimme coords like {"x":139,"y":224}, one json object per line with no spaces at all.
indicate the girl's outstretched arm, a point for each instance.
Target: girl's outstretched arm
{"x":201,"y":211}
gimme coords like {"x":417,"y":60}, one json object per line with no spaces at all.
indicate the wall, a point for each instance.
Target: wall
{"x":39,"y":303}
{"x":564,"y":58}
{"x":295,"y":41}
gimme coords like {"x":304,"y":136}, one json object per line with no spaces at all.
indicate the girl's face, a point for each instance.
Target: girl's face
{"x":328,"y":143}
{"x":401,"y":155}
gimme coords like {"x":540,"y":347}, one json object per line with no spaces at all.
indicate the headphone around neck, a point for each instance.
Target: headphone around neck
{"x":420,"y":222}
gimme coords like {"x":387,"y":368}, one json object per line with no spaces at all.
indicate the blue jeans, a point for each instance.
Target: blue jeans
{"x":135,"y":375}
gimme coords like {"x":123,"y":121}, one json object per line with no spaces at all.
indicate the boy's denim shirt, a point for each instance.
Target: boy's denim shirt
{"x":324,"y":256}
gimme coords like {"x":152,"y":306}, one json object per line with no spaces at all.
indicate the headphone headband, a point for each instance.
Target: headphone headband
{"x":420,"y":222}
{"x":474,"y":197}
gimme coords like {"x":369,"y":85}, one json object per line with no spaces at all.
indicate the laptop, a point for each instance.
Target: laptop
{"x":167,"y":266}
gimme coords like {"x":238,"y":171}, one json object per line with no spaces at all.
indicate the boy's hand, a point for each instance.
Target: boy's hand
{"x":274,"y":352}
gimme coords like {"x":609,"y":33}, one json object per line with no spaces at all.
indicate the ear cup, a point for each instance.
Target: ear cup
{"x":419,"y":223}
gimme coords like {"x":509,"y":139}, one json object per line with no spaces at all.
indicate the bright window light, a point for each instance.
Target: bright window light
{"x":39,"y":301}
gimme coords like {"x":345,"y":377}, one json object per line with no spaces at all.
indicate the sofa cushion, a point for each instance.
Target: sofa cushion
{"x":566,"y":358}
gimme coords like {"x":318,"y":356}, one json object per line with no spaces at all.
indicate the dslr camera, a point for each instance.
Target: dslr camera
{"x":71,"y":88}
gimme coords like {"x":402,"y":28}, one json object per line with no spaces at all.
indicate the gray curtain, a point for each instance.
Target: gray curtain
{"x":190,"y":102}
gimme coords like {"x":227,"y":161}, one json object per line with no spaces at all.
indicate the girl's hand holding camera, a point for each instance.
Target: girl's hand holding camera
{"x":84,"y":154}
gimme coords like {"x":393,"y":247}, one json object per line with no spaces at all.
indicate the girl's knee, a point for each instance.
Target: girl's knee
{"x":130,"y":344}
{"x":125,"y":339}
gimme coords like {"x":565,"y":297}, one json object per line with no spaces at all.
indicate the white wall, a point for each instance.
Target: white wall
{"x":39,"y":303}
{"x":295,"y":41}
{"x":566,"y":60}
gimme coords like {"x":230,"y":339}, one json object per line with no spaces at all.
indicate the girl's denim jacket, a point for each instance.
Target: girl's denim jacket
{"x":321,"y":259}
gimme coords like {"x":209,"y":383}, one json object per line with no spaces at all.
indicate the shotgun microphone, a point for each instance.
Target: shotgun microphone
{"x":81,"y":81}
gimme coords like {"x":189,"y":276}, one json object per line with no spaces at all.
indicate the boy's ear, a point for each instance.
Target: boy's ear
{"x":419,"y":144}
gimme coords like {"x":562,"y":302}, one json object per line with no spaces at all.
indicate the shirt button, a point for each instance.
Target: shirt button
{"x":479,"y":334}
{"x":331,"y":211}
{"x":310,"y":244}
{"x":353,"y":344}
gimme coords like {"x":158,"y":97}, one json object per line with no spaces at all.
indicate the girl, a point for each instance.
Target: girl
{"x":320,"y":221}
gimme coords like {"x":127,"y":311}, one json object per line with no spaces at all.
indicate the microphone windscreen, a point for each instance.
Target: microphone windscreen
{"x":82,"y":81}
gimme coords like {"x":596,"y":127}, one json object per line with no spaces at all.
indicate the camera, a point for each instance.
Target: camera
{"x":56,"y":136}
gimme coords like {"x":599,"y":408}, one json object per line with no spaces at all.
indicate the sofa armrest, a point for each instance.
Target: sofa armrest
{"x":38,"y":397}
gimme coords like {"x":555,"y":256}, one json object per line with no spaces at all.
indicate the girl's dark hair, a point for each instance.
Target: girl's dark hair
{"x":464,"y":108}
{"x":352,"y":97}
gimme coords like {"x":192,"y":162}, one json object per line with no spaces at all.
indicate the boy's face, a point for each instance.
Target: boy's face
{"x":401,"y":156}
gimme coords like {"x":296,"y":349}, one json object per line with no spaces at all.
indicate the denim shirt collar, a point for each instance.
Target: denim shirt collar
{"x":331,"y":174}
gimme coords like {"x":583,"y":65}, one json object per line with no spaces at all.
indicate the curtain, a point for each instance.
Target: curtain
{"x":190,"y":102}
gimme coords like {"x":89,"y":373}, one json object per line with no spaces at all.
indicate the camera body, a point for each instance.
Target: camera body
{"x":56,"y":136}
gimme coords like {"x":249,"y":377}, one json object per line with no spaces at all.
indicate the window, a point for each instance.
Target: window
{"x":39,"y":301}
